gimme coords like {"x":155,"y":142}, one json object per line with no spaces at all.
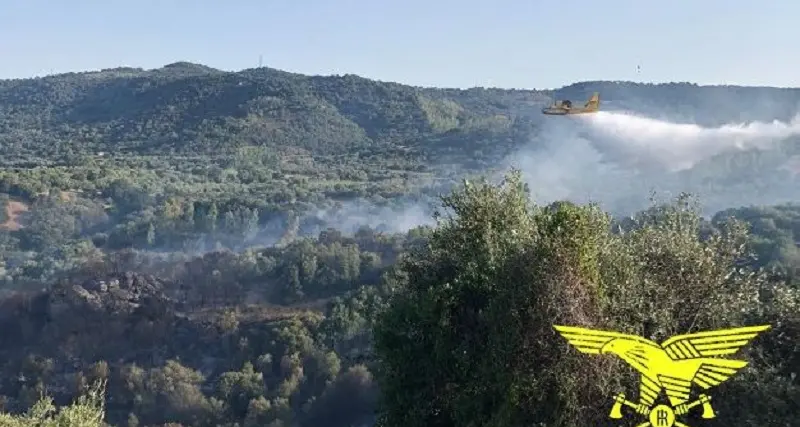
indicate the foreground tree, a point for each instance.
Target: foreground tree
{"x":468,"y":340}
{"x":87,"y":411}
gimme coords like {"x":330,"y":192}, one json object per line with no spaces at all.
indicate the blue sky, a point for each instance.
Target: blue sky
{"x":502,"y":43}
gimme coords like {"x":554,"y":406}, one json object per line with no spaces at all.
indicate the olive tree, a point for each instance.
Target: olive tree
{"x":468,"y":337}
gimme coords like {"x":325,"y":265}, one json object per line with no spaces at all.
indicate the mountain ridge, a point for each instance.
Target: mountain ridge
{"x":185,"y":107}
{"x":199,"y":67}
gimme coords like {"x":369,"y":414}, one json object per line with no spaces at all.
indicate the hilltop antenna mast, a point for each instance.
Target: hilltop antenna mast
{"x":260,"y":60}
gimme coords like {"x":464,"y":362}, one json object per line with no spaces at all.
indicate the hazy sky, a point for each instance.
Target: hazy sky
{"x":455,"y":43}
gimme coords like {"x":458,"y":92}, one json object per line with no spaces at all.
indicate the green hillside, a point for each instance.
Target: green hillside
{"x":167,"y":235}
{"x":187,"y":108}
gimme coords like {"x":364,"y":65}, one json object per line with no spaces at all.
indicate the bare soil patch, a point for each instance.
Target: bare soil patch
{"x":13,"y":210}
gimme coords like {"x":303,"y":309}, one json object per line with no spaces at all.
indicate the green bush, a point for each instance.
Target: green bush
{"x":87,"y":411}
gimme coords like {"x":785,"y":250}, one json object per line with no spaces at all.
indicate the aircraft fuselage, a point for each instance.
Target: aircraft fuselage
{"x":565,"y":107}
{"x":556,"y":111}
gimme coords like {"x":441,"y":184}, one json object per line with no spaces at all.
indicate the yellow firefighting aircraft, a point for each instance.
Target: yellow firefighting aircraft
{"x":562,"y":108}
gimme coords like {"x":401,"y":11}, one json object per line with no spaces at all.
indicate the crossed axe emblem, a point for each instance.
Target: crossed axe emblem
{"x":662,"y":415}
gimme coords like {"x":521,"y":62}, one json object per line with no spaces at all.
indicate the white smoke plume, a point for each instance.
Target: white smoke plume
{"x":680,"y":146}
{"x":617,"y":159}
{"x":348,"y":217}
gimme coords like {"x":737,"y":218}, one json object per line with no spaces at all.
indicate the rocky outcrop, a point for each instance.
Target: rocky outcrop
{"x":121,"y":293}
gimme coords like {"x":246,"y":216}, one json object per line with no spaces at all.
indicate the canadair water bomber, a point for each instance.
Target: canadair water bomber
{"x":563,"y":108}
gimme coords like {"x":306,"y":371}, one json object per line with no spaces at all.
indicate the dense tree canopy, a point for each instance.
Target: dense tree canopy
{"x":475,"y":314}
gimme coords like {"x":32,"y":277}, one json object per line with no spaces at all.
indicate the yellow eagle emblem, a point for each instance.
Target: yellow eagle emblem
{"x":673,"y":366}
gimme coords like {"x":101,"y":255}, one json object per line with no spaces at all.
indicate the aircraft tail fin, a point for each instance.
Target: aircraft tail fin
{"x":594,"y":102}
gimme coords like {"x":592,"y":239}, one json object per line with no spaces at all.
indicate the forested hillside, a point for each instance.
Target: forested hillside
{"x":217,"y":248}
{"x":186,"y":108}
